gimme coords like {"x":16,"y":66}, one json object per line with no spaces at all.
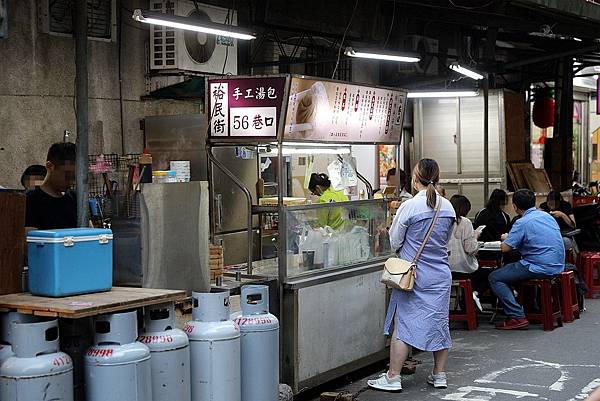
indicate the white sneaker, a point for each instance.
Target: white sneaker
{"x":384,"y":383}
{"x":438,"y":380}
{"x":477,"y":301}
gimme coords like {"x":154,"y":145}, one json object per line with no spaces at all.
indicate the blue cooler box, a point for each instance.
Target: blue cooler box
{"x":70,"y":261}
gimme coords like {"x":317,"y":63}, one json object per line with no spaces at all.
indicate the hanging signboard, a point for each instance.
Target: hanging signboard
{"x":328,"y":111}
{"x":245,"y":107}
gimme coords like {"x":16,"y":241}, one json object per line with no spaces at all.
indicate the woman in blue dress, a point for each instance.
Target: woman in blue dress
{"x":419,"y":318}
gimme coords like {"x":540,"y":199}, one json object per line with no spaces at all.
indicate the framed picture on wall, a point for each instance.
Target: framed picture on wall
{"x":386,"y":159}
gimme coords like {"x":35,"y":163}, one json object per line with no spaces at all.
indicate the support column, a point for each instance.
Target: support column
{"x":558,"y":151}
{"x":81,"y":87}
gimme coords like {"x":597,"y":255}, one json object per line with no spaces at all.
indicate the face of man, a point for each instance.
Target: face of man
{"x":393,"y":181}
{"x":33,"y":181}
{"x":61,"y":177}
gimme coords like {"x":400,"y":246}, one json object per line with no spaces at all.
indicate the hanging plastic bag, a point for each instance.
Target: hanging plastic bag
{"x":334,"y":171}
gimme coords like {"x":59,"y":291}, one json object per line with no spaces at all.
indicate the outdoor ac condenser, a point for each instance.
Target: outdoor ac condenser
{"x":178,"y":50}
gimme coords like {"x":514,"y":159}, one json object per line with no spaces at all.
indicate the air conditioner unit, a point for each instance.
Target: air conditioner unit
{"x":55,"y":17}
{"x":422,"y":46}
{"x":176,"y":49}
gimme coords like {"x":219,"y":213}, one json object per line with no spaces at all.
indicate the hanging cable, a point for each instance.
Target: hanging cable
{"x":391,"y":26}
{"x":337,"y":63}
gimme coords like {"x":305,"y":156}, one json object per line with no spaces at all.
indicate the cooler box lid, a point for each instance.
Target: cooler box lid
{"x":102,"y":235}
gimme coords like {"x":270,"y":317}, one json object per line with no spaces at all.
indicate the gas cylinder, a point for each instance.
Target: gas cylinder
{"x":260,"y":345}
{"x":6,"y":318}
{"x":170,"y":350}
{"x":38,"y":370}
{"x":117,"y":367}
{"x":214,"y":349}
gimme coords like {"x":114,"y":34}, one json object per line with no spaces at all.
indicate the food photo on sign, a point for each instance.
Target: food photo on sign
{"x":339,"y":112}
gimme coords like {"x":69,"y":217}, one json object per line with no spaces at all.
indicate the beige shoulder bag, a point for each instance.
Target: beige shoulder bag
{"x":401,"y":274}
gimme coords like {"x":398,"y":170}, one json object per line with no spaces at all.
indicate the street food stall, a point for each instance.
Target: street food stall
{"x":332,"y":306}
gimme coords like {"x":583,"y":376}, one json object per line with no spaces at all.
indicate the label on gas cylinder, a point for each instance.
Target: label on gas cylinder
{"x":99,"y":352}
{"x":249,"y":320}
{"x":62,"y":360}
{"x":160,"y":339}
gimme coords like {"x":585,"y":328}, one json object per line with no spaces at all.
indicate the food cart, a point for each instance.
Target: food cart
{"x":331,"y":304}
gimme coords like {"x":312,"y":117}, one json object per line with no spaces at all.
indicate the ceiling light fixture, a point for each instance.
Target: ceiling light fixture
{"x":418,"y":95}
{"x":191,"y":24}
{"x":382,"y":56}
{"x":465,"y":71}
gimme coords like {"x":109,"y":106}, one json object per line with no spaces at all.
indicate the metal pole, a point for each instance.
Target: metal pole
{"x":486,"y":155}
{"x":81,"y":87}
{"x":248,"y":195}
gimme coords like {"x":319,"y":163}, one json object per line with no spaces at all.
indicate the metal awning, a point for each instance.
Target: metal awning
{"x":190,"y":89}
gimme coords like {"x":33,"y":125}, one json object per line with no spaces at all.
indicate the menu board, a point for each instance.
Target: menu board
{"x":328,"y":111}
{"x":245,"y":107}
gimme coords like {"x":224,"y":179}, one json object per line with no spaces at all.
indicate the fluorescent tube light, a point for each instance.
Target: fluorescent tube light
{"x":465,"y":71}
{"x":312,"y":150}
{"x":191,"y":24}
{"x":381,"y":56}
{"x":417,"y":95}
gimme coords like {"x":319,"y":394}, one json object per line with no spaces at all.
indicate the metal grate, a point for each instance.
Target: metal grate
{"x":113,"y":170}
{"x":163,"y":37}
{"x":99,"y":16}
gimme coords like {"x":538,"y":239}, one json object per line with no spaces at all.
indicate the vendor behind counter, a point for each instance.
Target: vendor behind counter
{"x":320,"y":185}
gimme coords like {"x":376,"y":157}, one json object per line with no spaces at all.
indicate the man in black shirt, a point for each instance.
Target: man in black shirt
{"x":52,"y":205}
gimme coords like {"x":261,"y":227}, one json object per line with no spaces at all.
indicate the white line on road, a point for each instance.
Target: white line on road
{"x":489,"y":393}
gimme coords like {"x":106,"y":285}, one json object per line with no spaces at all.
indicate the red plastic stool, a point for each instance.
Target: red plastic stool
{"x":588,"y":263}
{"x":550,"y":311}
{"x":568,"y":296}
{"x":468,"y":315}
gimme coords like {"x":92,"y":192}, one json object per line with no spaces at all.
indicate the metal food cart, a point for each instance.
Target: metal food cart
{"x":332,"y":306}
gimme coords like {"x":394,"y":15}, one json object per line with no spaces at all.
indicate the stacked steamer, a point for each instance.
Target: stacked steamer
{"x":216,"y":261}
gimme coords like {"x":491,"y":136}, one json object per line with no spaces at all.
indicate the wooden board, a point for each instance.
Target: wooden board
{"x":12,"y":245}
{"x":537,"y":180}
{"x":515,"y":171}
{"x":118,"y":299}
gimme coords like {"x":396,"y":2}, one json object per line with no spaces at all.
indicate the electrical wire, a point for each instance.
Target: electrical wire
{"x":391,"y":26}
{"x":337,"y":63}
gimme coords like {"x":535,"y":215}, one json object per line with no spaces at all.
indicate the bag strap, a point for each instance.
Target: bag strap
{"x":435,"y":216}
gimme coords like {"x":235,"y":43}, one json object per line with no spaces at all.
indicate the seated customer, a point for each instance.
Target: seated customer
{"x":52,"y":205}
{"x":537,"y":237}
{"x":463,"y":249}
{"x":493,"y":217}
{"x":562,"y":211}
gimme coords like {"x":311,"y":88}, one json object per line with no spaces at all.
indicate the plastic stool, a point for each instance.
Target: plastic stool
{"x":568,"y":296}
{"x":588,"y":263}
{"x":550,"y":310}
{"x":468,"y":315}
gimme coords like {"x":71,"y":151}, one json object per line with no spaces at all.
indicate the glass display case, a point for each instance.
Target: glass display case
{"x":331,"y":236}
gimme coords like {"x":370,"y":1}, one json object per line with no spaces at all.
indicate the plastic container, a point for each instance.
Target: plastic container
{"x":70,"y":261}
{"x":182,"y":169}
{"x":159,"y":177}
{"x":171,"y":176}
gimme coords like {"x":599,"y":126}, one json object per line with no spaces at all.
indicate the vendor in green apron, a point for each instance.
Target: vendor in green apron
{"x":320,"y":185}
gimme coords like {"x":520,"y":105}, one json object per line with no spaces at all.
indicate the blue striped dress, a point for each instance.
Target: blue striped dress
{"x":422,"y":314}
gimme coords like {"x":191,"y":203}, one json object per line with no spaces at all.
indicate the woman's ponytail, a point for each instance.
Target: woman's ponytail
{"x":431,"y":195}
{"x":427,"y":172}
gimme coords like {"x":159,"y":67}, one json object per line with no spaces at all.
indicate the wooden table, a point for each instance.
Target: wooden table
{"x":78,"y":306}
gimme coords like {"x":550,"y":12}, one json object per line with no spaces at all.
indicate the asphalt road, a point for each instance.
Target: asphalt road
{"x":491,"y":365}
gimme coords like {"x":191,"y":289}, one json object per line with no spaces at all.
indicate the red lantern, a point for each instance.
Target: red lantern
{"x":543,"y":108}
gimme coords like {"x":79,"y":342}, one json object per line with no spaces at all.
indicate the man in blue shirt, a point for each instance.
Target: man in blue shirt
{"x":536,"y":235}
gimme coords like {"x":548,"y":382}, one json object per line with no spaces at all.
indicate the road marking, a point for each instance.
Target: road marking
{"x":489,"y":393}
{"x":587,"y":390}
{"x":558,"y":385}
